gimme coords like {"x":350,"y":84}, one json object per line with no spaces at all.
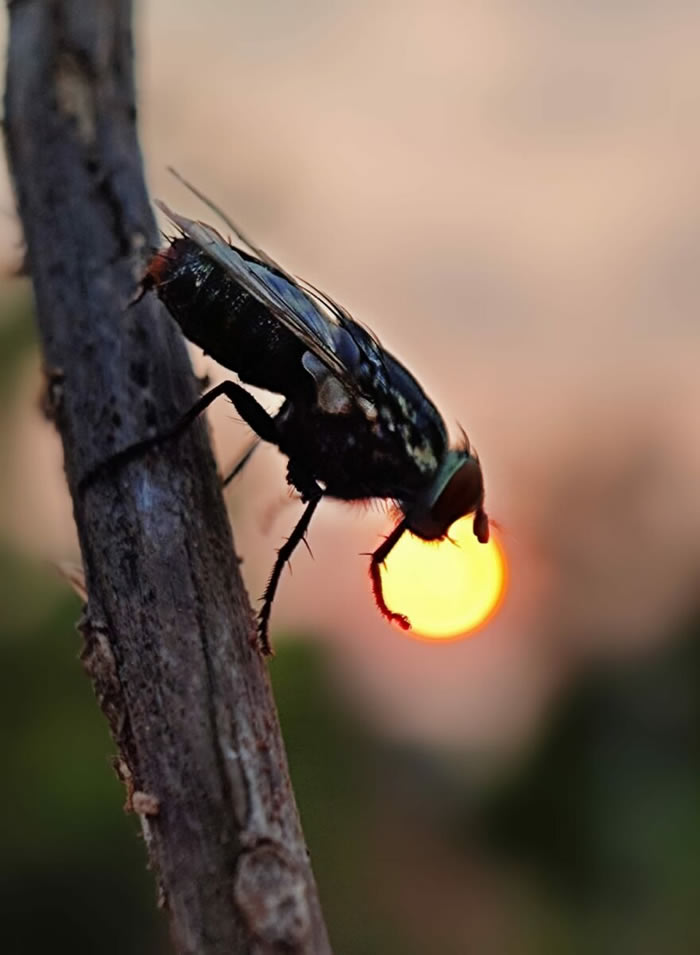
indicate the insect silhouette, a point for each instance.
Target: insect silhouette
{"x":354,"y":423}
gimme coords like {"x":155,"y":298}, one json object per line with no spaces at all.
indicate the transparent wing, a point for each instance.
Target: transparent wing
{"x":218,"y":211}
{"x":280,"y":293}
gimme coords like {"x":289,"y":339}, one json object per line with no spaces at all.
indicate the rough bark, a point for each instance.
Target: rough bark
{"x":169,"y":635}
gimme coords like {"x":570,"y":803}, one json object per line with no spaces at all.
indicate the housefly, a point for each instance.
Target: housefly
{"x":354,"y":423}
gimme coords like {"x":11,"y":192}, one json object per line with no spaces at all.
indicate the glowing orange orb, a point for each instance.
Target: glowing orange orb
{"x":447,"y":590}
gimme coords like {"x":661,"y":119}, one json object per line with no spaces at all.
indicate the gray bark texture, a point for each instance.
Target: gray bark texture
{"x":169,"y":635}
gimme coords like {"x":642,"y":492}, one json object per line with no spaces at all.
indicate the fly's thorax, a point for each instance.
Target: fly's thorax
{"x":456,"y":490}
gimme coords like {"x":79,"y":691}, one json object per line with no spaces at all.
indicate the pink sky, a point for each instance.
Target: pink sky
{"x":507,"y":194}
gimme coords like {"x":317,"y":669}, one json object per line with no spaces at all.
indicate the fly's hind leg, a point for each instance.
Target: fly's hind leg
{"x":245,"y":404}
{"x":241,"y":462}
{"x":248,"y":453}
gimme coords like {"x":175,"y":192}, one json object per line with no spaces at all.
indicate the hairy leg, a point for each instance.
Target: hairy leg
{"x":377,"y":559}
{"x":245,"y":404}
{"x":312,"y":494}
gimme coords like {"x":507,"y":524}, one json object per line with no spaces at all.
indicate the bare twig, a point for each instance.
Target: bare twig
{"x":169,"y":636}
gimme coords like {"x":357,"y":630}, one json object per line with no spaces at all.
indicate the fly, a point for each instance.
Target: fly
{"x":354,"y":423}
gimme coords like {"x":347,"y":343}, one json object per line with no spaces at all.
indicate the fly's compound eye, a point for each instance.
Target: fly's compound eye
{"x":463,"y":494}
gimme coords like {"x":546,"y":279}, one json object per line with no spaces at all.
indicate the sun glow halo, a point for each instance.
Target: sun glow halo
{"x":447,"y":588}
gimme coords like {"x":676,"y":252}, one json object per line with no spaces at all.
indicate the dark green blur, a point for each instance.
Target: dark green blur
{"x":588,"y":843}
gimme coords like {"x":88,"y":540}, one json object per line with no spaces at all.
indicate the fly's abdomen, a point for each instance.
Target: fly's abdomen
{"x":227,"y":322}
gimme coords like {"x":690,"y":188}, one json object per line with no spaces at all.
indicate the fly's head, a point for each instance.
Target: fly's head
{"x":457,"y":489}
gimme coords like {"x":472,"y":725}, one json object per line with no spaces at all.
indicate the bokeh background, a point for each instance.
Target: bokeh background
{"x":507,"y":193}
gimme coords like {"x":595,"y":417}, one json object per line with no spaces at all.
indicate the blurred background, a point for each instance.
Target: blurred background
{"x":507,"y":194}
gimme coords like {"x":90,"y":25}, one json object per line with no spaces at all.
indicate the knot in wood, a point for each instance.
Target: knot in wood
{"x":270,"y":892}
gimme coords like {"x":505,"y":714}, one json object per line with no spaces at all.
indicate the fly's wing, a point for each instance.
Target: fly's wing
{"x":347,"y":350}
{"x":281,"y":294}
{"x":217,"y":210}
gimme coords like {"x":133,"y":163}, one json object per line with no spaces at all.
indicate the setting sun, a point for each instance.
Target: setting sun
{"x":446,"y":588}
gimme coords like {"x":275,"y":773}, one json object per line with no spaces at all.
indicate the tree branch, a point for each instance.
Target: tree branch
{"x":169,"y":636}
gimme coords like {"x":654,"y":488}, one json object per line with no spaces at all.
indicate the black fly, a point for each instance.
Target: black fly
{"x":354,"y":424}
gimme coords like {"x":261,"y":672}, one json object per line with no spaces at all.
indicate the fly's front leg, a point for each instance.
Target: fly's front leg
{"x":311,"y":493}
{"x":245,"y":404}
{"x":377,"y":559}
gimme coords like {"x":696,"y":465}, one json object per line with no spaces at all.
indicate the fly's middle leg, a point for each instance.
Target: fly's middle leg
{"x":311,"y":493}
